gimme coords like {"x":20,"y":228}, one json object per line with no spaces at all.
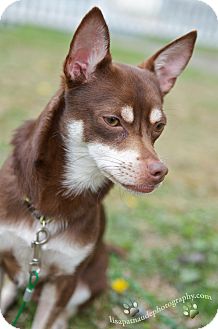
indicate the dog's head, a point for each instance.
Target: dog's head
{"x":114,"y":112}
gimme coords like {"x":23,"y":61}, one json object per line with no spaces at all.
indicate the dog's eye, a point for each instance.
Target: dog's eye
{"x":159,"y":126}
{"x":112,"y":121}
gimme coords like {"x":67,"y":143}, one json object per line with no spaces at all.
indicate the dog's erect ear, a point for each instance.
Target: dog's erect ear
{"x":89,"y":47}
{"x":171,"y":60}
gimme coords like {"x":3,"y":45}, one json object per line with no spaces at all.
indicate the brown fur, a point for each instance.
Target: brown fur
{"x":35,"y":167}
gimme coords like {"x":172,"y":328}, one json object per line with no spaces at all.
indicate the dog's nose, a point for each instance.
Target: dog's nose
{"x":157,"y":171}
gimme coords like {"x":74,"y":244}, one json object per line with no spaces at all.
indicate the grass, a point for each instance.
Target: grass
{"x":170,"y":235}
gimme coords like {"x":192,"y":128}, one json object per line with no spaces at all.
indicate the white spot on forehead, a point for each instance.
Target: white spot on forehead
{"x":155,"y":115}
{"x":127,"y":114}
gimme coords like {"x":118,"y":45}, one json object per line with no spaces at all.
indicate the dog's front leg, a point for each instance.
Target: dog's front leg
{"x":9,"y":294}
{"x":53,"y":299}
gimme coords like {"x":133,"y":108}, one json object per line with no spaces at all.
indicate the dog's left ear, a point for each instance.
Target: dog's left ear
{"x":171,"y":60}
{"x":89,"y":47}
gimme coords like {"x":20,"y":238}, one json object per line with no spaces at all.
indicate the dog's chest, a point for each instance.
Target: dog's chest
{"x":58,"y":256}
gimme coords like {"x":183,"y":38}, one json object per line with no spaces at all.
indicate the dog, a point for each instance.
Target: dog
{"x":98,"y":130}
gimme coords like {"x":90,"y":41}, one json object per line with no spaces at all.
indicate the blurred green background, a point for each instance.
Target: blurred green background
{"x":171,"y":235}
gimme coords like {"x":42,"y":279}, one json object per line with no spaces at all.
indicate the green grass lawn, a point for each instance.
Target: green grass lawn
{"x":171,"y":235}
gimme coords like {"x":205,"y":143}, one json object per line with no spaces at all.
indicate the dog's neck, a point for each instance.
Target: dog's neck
{"x":40,"y":155}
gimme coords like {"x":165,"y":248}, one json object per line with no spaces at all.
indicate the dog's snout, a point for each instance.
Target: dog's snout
{"x":157,"y":170}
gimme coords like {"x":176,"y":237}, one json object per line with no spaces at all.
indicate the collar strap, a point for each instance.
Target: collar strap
{"x":35,"y":213}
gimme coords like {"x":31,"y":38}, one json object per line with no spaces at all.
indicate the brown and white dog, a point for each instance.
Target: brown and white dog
{"x":97,"y":130}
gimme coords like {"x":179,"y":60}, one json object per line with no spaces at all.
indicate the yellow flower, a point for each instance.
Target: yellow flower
{"x":120,"y":285}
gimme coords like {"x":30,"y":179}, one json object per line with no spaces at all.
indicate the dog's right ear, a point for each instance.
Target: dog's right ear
{"x":89,"y":47}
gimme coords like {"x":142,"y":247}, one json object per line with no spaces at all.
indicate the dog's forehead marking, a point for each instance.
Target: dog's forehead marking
{"x":155,"y":115}
{"x":127,"y":113}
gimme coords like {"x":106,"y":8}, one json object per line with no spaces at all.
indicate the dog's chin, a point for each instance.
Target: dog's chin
{"x":140,"y":189}
{"x":136,"y":189}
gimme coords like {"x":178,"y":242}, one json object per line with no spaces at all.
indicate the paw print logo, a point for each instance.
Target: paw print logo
{"x":131,"y":308}
{"x":190,"y":310}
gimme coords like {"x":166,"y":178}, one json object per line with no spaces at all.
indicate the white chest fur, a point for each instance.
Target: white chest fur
{"x":59,"y":253}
